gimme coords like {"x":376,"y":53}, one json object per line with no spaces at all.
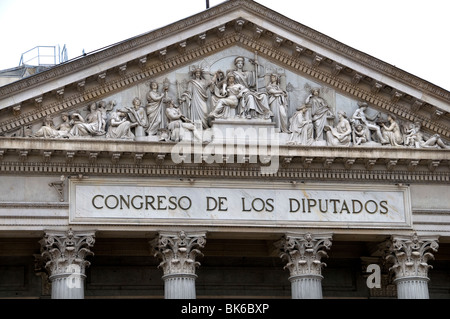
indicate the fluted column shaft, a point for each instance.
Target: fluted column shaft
{"x":412,"y":288}
{"x":410,"y":256}
{"x":303,"y":253}
{"x":178,"y":252}
{"x":306,"y":287}
{"x":68,"y":286}
{"x":66,"y":254}
{"x":179,"y":286}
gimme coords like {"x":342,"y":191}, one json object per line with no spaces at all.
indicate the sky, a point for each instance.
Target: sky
{"x":412,"y":35}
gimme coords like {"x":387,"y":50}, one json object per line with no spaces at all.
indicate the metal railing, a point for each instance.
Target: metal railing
{"x":44,"y":55}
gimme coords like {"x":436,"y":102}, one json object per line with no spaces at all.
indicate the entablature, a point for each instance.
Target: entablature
{"x":117,"y":155}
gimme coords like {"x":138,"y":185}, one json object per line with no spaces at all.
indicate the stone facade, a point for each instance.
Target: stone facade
{"x":225,"y":141}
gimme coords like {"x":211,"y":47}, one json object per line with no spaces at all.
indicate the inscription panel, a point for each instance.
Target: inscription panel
{"x":238,"y":203}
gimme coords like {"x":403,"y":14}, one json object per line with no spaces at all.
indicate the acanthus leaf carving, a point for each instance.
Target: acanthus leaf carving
{"x":410,"y":255}
{"x":303,"y":252}
{"x":178,"y":251}
{"x":66,"y":252}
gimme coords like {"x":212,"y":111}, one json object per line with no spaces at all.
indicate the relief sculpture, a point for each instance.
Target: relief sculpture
{"x":171,"y":111}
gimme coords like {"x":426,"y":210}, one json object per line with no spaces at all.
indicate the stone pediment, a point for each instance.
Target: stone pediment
{"x":299,"y":59}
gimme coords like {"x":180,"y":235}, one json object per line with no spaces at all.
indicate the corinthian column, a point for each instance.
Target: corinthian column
{"x":410,"y":256}
{"x":178,"y":252}
{"x":65,"y":254}
{"x":303,"y":253}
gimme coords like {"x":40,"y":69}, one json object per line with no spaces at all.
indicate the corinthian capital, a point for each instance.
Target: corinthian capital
{"x":66,"y":252}
{"x":304,"y":252}
{"x":411,"y":254}
{"x":178,"y":251}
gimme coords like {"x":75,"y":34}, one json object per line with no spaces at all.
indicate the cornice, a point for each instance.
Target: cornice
{"x":294,"y":176}
{"x":294,"y":163}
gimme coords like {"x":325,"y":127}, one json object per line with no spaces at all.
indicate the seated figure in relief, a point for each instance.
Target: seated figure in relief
{"x":91,"y":126}
{"x":49,"y":130}
{"x":253,"y":104}
{"x":216,"y":88}
{"x":301,"y":127}
{"x":341,"y":134}
{"x":360,"y":117}
{"x":119,"y":126}
{"x":231,"y":92}
{"x":178,"y":123}
{"x":359,"y":134}
{"x":410,"y":135}
{"x":391,"y":132}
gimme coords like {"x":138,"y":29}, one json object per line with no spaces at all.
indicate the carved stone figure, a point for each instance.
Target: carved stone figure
{"x":155,"y":109}
{"x":178,"y":123}
{"x":48,"y":130}
{"x":197,"y":96}
{"x":341,"y":134}
{"x":301,"y":127}
{"x":410,"y":135}
{"x":216,"y":88}
{"x":231,"y":92}
{"x":91,"y":126}
{"x":278,"y":103}
{"x":253,"y":104}
{"x":104,"y":108}
{"x":120,"y":126}
{"x":360,"y":117}
{"x":359,"y":134}
{"x":392,"y":133}
{"x":433,"y":141}
{"x":320,"y":112}
{"x":138,"y":115}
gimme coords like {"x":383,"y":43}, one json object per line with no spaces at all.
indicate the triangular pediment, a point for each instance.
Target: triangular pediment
{"x":302,"y":58}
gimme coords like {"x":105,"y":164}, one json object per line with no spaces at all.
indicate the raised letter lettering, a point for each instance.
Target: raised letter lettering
{"x":334,"y":205}
{"x":258,"y":200}
{"x":320,"y":206}
{"x":222,"y":202}
{"x":149,"y":203}
{"x":132,"y":202}
{"x":382,"y":205}
{"x":126,"y":201}
{"x":344,"y":206}
{"x":208,"y":200}
{"x":93,"y":201}
{"x":355,"y":211}
{"x":243,"y":205}
{"x":310,"y":204}
{"x":186,"y":205}
{"x":367,"y":209}
{"x":269,"y":203}
{"x":173,"y":202}
{"x":291,"y":209}
{"x":160,"y":200}
{"x":106,"y":201}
